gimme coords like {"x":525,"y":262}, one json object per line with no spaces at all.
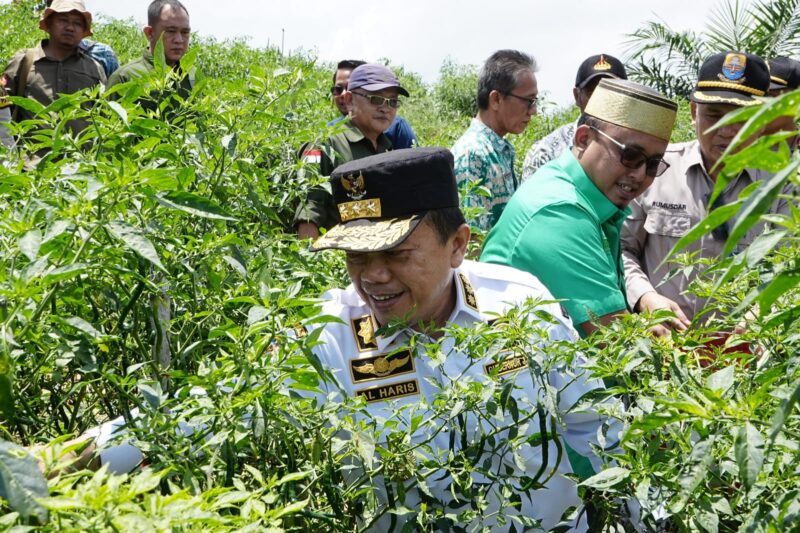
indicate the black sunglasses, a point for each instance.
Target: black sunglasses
{"x":336,"y":90}
{"x":378,"y":101}
{"x":634,"y":158}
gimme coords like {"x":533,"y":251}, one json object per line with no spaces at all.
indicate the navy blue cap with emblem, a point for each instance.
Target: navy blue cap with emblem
{"x":736,"y":78}
{"x":382,"y":198}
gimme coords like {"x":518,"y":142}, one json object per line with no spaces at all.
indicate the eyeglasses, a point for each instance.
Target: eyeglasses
{"x":337,"y":90}
{"x":634,"y":158}
{"x":533,"y":103}
{"x":379,"y":101}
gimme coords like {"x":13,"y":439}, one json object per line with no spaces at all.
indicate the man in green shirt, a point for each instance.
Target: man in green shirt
{"x":564,"y":226}
{"x":167,"y":20}
{"x":372,"y":98}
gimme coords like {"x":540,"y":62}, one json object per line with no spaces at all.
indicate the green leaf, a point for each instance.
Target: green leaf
{"x":762,"y":245}
{"x":707,"y":520}
{"x":21,"y":482}
{"x":758,"y":203}
{"x":257,"y":313}
{"x":780,"y":285}
{"x":134,"y":240}
{"x":782,"y":413}
{"x":6,"y":386}
{"x":193,"y":204}
{"x":722,"y":380}
{"x":63,"y":273}
{"x":295,"y":507}
{"x":57,"y":228}
{"x":152,"y":393}
{"x":29,"y":244}
{"x":749,"y":452}
{"x":84,"y":326}
{"x":119,"y":110}
{"x":607,"y":478}
{"x":147,"y":480}
{"x":28,"y":104}
{"x":695,"y":471}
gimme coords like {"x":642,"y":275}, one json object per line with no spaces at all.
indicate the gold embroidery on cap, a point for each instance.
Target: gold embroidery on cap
{"x":388,"y":392}
{"x":727,"y":85}
{"x":469,"y":292}
{"x":506,"y":366}
{"x":381,"y":366}
{"x":355,"y":186}
{"x":360,"y":209}
{"x":602,"y":64}
{"x":364,"y":333}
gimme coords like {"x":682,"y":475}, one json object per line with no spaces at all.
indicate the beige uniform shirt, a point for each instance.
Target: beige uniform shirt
{"x":676,"y":202}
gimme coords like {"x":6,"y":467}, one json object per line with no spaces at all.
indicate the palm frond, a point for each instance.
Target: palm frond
{"x":728,"y":27}
{"x":776,"y":28}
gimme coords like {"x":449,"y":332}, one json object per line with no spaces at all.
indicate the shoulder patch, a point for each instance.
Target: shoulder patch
{"x":364,"y":333}
{"x":469,"y":292}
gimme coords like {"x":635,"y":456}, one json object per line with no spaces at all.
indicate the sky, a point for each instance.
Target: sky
{"x":420,"y":35}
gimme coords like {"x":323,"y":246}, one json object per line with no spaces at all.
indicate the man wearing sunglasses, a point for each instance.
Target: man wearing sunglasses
{"x":372,"y":100}
{"x":678,"y":200}
{"x":400,"y":132}
{"x":507,"y":100}
{"x":592,"y":70}
{"x":564,"y":226}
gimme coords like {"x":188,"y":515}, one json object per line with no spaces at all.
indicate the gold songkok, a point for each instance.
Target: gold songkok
{"x":633,"y":106}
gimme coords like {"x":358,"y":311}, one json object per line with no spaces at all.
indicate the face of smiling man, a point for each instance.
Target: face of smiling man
{"x":600,"y":157}
{"x":413,"y":281}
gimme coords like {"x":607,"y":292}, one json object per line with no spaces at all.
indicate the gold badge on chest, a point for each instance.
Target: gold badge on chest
{"x":381,"y":366}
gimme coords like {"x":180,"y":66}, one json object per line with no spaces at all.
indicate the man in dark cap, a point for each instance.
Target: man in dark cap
{"x":591,"y":71}
{"x":784,"y":77}
{"x":679,"y":199}
{"x":400,"y":132}
{"x":58,"y":65}
{"x":405,"y":239}
{"x":372,"y":98}
{"x":563,"y":226}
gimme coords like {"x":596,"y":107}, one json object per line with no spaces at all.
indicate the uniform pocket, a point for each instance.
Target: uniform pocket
{"x":667,"y":224}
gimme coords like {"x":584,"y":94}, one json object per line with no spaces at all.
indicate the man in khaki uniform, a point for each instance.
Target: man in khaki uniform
{"x":678,"y":200}
{"x":58,"y":65}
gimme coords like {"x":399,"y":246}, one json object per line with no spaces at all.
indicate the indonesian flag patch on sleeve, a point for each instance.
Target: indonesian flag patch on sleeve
{"x":313,"y":156}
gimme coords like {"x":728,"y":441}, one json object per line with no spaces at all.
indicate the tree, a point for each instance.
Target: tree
{"x":668,"y":60}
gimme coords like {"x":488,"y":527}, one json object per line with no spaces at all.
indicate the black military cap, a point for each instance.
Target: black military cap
{"x":784,"y":73}
{"x":731,"y":78}
{"x":599,"y":65}
{"x":382,"y":198}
